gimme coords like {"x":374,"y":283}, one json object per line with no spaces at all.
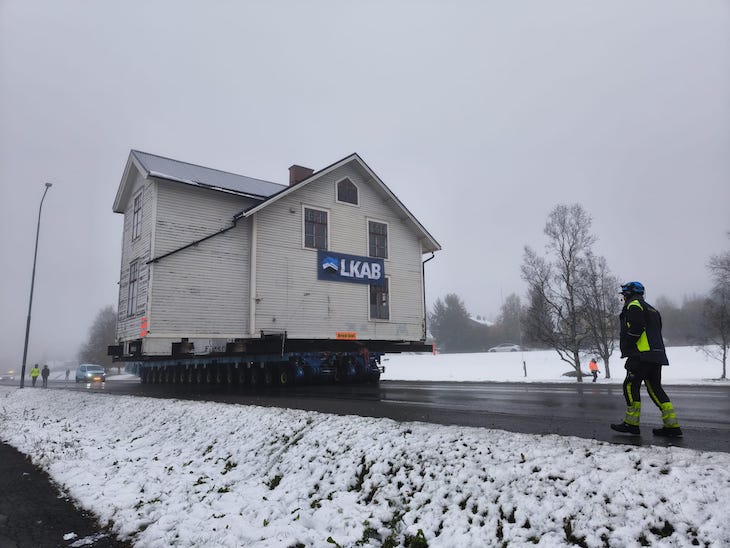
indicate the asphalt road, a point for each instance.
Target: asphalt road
{"x":583,"y":410}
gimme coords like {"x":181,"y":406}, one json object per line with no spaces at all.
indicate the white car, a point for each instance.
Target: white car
{"x":88,"y":372}
{"x":506,"y":347}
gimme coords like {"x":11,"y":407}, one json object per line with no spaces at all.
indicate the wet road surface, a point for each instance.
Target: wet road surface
{"x":570,"y":409}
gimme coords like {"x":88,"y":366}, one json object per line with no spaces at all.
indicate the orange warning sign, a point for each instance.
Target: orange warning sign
{"x":347,"y":335}
{"x":143,"y":327}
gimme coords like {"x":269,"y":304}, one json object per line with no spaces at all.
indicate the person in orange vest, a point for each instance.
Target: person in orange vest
{"x":593,"y":366}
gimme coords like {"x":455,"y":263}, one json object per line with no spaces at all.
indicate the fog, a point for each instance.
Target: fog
{"x":480,"y":117}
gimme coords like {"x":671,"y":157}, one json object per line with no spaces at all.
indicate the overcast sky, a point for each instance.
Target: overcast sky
{"x":480,"y":116}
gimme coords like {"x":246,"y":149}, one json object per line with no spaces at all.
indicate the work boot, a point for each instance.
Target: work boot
{"x":626,"y":428}
{"x":665,"y":432}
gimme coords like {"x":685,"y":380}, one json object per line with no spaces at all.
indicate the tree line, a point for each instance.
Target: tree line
{"x":572,"y":303}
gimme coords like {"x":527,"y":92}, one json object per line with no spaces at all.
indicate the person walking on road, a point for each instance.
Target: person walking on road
{"x":643,"y":347}
{"x":593,"y":366}
{"x":45,"y":374}
{"x":34,"y":373}
{"x":68,"y":372}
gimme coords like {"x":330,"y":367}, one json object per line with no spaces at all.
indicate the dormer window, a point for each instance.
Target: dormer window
{"x":347,"y":192}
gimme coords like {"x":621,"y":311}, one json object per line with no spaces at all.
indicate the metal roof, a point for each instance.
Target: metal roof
{"x":183,"y":172}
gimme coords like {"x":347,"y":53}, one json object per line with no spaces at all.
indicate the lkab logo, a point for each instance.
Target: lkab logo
{"x":330,"y":264}
{"x":351,"y":268}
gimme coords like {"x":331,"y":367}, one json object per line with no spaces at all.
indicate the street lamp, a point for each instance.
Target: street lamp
{"x":32,"y":282}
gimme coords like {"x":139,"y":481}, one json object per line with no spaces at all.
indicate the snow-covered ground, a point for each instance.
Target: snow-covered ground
{"x":181,"y":473}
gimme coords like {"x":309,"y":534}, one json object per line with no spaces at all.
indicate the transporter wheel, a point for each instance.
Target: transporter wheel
{"x":285,"y":376}
{"x":209,"y":374}
{"x":268,"y":376}
{"x":255,"y":376}
{"x":241,"y":374}
{"x":229,"y":374}
{"x":199,"y":375}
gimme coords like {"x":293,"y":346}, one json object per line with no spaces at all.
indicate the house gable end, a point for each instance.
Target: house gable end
{"x":131,"y":170}
{"x":429,"y":244}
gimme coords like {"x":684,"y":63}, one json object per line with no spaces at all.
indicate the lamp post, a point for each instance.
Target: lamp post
{"x":32,"y":283}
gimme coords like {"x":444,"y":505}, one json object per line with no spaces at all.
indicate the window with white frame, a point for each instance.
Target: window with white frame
{"x":315,"y":228}
{"x":133,"y":288}
{"x":347,"y":192}
{"x":380,"y":301}
{"x":378,"y":239}
{"x":137,"y":217}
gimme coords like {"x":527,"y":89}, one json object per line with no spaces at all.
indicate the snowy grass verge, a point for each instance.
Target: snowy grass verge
{"x":178,"y":473}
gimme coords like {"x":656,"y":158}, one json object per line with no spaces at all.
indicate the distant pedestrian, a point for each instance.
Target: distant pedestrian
{"x":45,"y":374}
{"x":34,"y":373}
{"x":643,"y":347}
{"x":593,"y":366}
{"x":68,"y":372}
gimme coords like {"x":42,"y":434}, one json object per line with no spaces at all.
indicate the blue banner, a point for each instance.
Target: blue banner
{"x":338,"y":267}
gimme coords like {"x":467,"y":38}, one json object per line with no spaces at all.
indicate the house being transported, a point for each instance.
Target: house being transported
{"x":226,"y":278}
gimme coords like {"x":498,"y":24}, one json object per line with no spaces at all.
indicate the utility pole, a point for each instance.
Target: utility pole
{"x":32,"y":283}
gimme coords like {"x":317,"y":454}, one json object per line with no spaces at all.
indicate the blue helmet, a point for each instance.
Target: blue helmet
{"x":630,"y":288}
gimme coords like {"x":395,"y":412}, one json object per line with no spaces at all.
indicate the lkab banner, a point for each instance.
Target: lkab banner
{"x":338,"y":267}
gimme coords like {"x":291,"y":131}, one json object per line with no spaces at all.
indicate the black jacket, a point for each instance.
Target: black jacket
{"x":641,"y":332}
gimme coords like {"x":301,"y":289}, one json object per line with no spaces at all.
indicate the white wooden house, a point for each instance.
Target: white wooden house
{"x":213,"y":257}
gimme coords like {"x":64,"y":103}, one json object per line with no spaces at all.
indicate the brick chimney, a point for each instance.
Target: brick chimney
{"x":298,"y":173}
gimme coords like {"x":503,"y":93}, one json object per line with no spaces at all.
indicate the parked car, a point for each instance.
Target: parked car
{"x":7,"y":376}
{"x":506,"y":347}
{"x":88,"y":372}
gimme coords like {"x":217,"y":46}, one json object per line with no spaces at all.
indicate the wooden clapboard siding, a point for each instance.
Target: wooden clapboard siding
{"x":203,"y":289}
{"x":289,"y":295}
{"x":128,"y":326}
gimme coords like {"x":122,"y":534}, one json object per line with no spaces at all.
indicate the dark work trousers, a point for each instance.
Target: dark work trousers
{"x":648,"y":373}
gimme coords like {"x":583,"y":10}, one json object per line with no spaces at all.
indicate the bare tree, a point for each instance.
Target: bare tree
{"x":601,"y":307}
{"x":555,"y":282}
{"x":717,"y":311}
{"x":101,"y":335}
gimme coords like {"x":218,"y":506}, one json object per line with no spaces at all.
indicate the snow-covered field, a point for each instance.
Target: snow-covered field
{"x":687,"y":366}
{"x":180,"y":473}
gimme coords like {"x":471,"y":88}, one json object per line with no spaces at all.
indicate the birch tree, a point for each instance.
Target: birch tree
{"x":558,"y":286}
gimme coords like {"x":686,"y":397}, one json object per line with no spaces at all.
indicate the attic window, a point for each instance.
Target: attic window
{"x":347,"y":192}
{"x":137,"y":217}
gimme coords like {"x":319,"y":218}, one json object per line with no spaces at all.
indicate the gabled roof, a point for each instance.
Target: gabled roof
{"x":150,"y":165}
{"x":265,"y":192}
{"x":428,"y":243}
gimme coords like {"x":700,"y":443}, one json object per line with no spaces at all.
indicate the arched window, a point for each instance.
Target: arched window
{"x":347,"y":192}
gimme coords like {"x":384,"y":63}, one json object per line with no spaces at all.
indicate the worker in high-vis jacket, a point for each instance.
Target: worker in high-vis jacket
{"x":643,"y":347}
